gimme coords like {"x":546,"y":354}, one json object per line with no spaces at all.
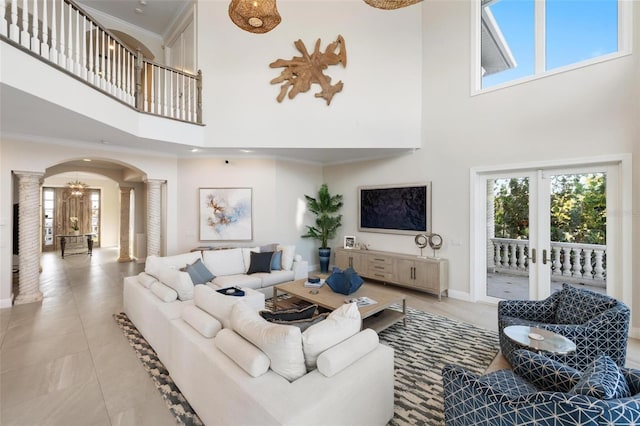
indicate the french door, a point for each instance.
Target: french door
{"x":544,"y":227}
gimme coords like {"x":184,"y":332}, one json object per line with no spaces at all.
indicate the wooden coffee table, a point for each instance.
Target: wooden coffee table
{"x":376,"y":316}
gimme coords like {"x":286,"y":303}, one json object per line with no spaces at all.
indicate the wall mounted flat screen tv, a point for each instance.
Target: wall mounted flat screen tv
{"x":395,"y":209}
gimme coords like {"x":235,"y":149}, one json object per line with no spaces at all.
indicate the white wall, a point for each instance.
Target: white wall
{"x":277,"y":187}
{"x":582,"y":113}
{"x":380,"y":101}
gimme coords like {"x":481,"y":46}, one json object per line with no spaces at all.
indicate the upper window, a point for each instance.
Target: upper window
{"x":520,"y":39}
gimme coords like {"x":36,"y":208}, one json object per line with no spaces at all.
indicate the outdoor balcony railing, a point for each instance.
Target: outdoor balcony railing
{"x":62,"y":34}
{"x":585,"y":263}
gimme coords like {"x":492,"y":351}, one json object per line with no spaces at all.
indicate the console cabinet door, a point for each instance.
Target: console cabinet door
{"x":405,"y":272}
{"x":421,"y":274}
{"x":349,"y":259}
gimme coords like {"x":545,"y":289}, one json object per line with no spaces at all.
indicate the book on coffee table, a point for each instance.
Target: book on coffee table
{"x":361,"y":301}
{"x":314,"y":285}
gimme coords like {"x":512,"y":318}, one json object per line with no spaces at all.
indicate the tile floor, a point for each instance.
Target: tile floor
{"x":65,"y":361}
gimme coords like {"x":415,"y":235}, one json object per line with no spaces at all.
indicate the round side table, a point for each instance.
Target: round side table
{"x":539,"y":340}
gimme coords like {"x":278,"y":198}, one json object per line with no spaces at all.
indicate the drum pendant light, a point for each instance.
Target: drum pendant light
{"x":255,"y":16}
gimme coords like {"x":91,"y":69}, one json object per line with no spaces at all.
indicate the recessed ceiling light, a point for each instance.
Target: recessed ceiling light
{"x":246,"y":151}
{"x":194,"y":150}
{"x":143,"y":2}
{"x":139,"y":11}
{"x":86,"y":159}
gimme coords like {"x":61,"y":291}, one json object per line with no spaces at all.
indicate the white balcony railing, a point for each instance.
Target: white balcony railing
{"x":61,"y":33}
{"x":585,"y":263}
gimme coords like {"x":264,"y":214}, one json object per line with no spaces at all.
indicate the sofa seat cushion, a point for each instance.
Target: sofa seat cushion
{"x":281,"y":343}
{"x":577,"y":306}
{"x":224,"y":262}
{"x":275,"y":277}
{"x":603,"y":380}
{"x":241,"y":280}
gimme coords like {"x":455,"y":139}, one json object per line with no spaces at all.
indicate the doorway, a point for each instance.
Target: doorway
{"x":536,"y":228}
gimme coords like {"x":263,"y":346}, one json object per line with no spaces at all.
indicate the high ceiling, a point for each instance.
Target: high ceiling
{"x":152,"y":15}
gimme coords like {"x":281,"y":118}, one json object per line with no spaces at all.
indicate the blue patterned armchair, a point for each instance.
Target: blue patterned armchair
{"x":596,"y":323}
{"x":542,"y":392}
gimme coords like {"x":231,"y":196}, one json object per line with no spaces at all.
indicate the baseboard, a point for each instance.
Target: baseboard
{"x":459,"y":295}
{"x":6,"y":303}
{"x":634,"y":332}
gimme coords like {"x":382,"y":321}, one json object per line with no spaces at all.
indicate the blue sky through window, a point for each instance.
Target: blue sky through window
{"x":576,"y":30}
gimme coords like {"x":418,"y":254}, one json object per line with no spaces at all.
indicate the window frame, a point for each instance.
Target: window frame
{"x":625,"y":32}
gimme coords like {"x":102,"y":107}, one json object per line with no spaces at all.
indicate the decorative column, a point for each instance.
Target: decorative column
{"x":29,"y":237}
{"x":154,"y":214}
{"x":125,"y":209}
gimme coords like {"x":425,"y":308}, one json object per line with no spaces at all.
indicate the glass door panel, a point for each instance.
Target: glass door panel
{"x":577,"y":229}
{"x":508,"y":234}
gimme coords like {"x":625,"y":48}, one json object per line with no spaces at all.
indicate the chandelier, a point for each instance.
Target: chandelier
{"x":76,"y":188}
{"x":255,"y":16}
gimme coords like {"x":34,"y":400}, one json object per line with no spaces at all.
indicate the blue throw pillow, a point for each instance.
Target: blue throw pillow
{"x":276,"y":261}
{"x":603,"y":380}
{"x":260,"y":262}
{"x":198,"y":272}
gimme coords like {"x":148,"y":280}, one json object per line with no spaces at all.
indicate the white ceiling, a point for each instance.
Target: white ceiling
{"x":152,"y":15}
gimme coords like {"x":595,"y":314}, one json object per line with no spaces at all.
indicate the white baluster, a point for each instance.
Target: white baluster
{"x":44,"y":46}
{"x":132,"y":84}
{"x":145,"y":86}
{"x":521,"y":259}
{"x":62,"y":58}
{"x":587,"y":268}
{"x":70,"y":39}
{"x":165,"y":85}
{"x":505,"y":256}
{"x":566,"y":264}
{"x":84,"y":67}
{"x":576,"y":269}
{"x":3,"y":21}
{"x":512,"y":256}
{"x":171,"y":95}
{"x":25,"y":39}
{"x":103,"y":62}
{"x":599,"y":269}
{"x":128,"y":75}
{"x":35,"y":28}
{"x":53,"y":51}
{"x":188,"y":100}
{"x":118,"y":76}
{"x":91,"y":76}
{"x":78,"y":44}
{"x":556,"y":261}
{"x":14,"y":31}
{"x":108,"y":64}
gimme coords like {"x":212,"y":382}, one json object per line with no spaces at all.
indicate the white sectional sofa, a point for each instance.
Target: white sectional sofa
{"x":235,"y":368}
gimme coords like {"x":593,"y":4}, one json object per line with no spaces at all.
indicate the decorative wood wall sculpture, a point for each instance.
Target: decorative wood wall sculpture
{"x":302,"y":71}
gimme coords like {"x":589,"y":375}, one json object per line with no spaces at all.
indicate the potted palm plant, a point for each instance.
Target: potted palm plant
{"x":324,"y":208}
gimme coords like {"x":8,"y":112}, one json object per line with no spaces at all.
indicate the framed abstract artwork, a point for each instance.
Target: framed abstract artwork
{"x":226,"y":214}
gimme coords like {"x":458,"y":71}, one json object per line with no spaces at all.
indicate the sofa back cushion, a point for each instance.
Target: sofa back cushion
{"x":177,"y":280}
{"x":341,"y":324}
{"x":224,"y":262}
{"x":215,"y":304}
{"x":288,"y":254}
{"x":246,"y":256}
{"x":577,"y":306}
{"x":281,"y":343}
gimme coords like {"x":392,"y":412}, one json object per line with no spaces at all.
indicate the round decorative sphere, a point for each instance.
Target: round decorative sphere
{"x":421,"y":240}
{"x":435,"y":242}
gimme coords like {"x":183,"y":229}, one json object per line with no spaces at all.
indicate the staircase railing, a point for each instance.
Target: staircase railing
{"x":61,"y":33}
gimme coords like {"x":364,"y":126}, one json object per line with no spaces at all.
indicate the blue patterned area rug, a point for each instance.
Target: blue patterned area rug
{"x":422,"y":348}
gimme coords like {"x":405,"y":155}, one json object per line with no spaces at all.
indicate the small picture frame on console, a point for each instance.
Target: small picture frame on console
{"x":349,"y":242}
